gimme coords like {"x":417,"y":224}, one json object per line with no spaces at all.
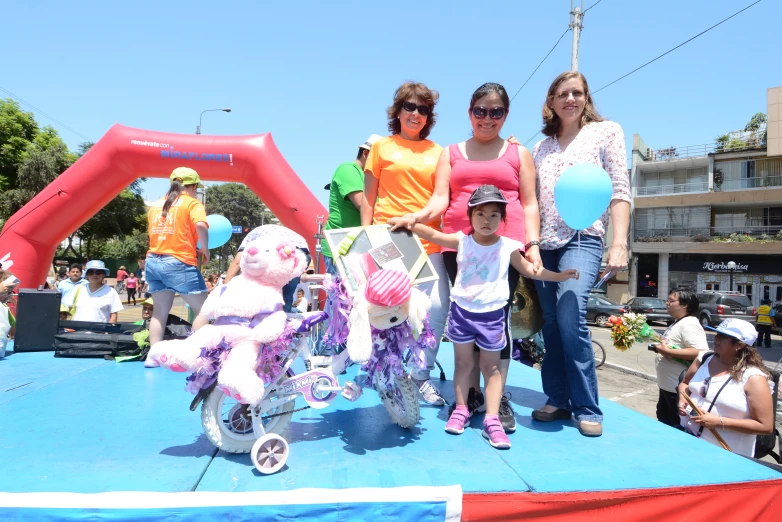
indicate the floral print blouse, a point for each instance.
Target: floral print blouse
{"x":601,"y":143}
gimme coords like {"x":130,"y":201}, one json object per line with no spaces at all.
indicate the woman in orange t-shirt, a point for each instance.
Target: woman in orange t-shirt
{"x":399,"y":180}
{"x":177,"y":223}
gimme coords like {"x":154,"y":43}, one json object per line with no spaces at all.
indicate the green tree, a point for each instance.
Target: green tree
{"x":18,"y":129}
{"x":133,"y":246}
{"x":240,"y":206}
{"x":39,"y":168}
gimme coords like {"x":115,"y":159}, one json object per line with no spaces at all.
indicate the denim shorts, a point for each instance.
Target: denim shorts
{"x":166,"y":272}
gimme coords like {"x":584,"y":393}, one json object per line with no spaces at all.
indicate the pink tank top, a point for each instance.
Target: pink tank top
{"x":467,"y":175}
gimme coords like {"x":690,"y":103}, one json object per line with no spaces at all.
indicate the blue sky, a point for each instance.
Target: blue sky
{"x":319,"y":75}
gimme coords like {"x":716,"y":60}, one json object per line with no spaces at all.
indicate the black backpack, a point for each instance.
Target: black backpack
{"x":764,"y":444}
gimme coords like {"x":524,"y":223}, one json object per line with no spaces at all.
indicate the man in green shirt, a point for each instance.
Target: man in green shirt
{"x":346,"y":193}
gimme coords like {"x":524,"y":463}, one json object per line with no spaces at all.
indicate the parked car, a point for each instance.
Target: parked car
{"x":717,"y":306}
{"x":652,"y":307}
{"x":599,"y":308}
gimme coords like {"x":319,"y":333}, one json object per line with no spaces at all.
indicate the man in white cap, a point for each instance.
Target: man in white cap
{"x":346,"y":193}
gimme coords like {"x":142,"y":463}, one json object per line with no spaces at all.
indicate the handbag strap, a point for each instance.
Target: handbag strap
{"x":714,"y":401}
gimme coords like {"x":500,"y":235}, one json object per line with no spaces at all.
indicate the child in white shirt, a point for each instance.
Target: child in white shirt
{"x":477,"y":301}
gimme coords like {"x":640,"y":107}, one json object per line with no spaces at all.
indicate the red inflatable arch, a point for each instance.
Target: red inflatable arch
{"x":31,"y":236}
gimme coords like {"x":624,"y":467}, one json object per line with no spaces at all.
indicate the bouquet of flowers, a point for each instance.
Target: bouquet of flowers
{"x":630,"y":327}
{"x":627,"y":328}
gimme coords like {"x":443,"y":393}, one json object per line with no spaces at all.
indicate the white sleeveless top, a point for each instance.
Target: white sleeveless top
{"x":732,"y":403}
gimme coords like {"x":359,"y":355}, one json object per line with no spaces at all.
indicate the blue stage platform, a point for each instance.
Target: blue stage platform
{"x":95,"y":426}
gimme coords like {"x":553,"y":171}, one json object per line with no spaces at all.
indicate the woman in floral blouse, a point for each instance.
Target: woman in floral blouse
{"x":576,"y":135}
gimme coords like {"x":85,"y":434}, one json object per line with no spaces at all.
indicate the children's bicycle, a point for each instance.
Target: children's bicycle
{"x":255,"y":429}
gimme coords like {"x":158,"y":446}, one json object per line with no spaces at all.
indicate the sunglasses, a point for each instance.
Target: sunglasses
{"x":495,"y":114}
{"x":705,"y":387}
{"x":411,"y":107}
{"x":95,"y":272}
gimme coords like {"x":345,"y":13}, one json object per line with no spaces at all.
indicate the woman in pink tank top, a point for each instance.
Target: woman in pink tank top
{"x":487,"y":159}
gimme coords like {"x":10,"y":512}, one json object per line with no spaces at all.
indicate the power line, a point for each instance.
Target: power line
{"x":655,"y":59}
{"x":541,"y":62}
{"x":670,"y":51}
{"x":591,"y":6}
{"x":39,"y":111}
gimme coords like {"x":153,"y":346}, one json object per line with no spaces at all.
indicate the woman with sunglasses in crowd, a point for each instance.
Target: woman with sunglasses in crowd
{"x":96,"y":301}
{"x":177,"y":224}
{"x":731,"y":388}
{"x":576,"y":134}
{"x":399,"y":179}
{"x":487,"y":159}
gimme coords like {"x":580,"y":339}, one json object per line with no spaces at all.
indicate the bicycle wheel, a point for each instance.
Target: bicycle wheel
{"x":600,"y":353}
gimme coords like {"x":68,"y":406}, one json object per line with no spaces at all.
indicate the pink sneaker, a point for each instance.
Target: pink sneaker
{"x":493,"y":432}
{"x":458,"y":420}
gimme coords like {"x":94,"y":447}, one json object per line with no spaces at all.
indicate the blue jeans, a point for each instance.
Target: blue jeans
{"x":166,"y":272}
{"x":331,"y":268}
{"x":568,"y":373}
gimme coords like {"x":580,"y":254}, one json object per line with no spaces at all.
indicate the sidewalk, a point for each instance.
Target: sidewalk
{"x":131,"y":314}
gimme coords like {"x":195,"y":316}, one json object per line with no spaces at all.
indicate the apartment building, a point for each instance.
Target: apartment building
{"x":710,"y":216}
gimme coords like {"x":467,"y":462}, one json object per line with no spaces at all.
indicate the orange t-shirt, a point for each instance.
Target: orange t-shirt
{"x":405,"y":173}
{"x":176,"y":235}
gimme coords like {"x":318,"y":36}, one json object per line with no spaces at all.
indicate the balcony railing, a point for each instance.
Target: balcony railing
{"x":703,"y":234}
{"x":680,"y":188}
{"x":691,"y":151}
{"x":748,"y":183}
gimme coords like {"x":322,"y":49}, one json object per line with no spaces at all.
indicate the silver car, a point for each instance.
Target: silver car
{"x":717,"y":306}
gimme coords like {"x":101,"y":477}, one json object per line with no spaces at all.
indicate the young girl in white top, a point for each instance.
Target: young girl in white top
{"x":477,"y":302}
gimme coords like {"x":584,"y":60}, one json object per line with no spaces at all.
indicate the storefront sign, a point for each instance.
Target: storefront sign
{"x":715,"y":265}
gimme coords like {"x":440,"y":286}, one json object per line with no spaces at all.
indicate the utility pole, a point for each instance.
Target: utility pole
{"x":576,"y":24}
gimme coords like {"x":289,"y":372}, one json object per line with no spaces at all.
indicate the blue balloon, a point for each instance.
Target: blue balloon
{"x":219,"y":230}
{"x":583,"y":192}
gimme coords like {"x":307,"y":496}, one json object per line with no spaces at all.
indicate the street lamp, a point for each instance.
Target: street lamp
{"x":731,"y":267}
{"x":198,"y":129}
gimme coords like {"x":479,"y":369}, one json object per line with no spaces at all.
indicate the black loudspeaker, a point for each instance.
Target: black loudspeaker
{"x":37,"y":319}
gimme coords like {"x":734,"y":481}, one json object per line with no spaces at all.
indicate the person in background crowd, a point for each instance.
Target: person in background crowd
{"x":141,"y":275}
{"x":487,"y":159}
{"x":766,"y":321}
{"x":74,"y":280}
{"x":146,"y":312}
{"x":177,"y":224}
{"x":289,"y":290}
{"x":683,"y":342}
{"x":576,"y":134}
{"x":300,"y":304}
{"x":131,"y":284}
{"x":122,"y":273}
{"x":399,"y":180}
{"x":8,"y":282}
{"x":95,"y":302}
{"x":211,"y":282}
{"x":346,"y":195}
{"x":735,"y":384}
